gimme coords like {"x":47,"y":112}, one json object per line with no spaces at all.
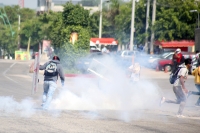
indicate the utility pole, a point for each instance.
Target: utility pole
{"x":100,"y":20}
{"x":132,"y":25}
{"x":18,"y":31}
{"x":153,"y":21}
{"x":147,"y":25}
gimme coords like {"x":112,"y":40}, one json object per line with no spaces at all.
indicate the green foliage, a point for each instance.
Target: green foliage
{"x":94,"y":24}
{"x":75,"y":15}
{"x":174,"y":21}
{"x":7,"y":42}
{"x":69,"y":55}
{"x":73,"y":19}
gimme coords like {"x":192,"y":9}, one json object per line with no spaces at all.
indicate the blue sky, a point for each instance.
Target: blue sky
{"x":27,"y":3}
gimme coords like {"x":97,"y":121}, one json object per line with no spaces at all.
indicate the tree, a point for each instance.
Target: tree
{"x":10,"y":41}
{"x":123,"y":23}
{"x":74,"y":18}
{"x":174,"y":21}
{"x":7,"y":42}
{"x":75,"y":15}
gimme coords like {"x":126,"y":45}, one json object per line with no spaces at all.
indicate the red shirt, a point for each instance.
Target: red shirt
{"x":178,"y":57}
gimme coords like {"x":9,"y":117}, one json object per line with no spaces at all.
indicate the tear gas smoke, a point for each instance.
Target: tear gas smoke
{"x":117,"y":93}
{"x":96,"y":94}
{"x":23,"y":108}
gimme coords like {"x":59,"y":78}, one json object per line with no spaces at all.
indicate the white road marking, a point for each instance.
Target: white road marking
{"x":4,"y":73}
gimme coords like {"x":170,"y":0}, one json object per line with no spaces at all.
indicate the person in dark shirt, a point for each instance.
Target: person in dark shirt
{"x":52,"y":69}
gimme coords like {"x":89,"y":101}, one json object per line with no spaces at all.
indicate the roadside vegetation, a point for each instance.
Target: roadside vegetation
{"x":174,"y":21}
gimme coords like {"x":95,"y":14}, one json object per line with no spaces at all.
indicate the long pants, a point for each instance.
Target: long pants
{"x":181,"y":98}
{"x":197,"y":93}
{"x":49,"y":89}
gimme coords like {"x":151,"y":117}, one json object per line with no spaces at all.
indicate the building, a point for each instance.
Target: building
{"x":57,"y":5}
{"x":184,"y":45}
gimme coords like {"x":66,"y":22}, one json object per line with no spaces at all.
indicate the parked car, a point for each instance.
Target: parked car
{"x":166,"y":63}
{"x":127,"y":54}
{"x":153,"y":60}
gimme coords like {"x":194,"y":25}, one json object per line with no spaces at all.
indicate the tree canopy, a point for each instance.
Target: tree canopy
{"x":174,"y":21}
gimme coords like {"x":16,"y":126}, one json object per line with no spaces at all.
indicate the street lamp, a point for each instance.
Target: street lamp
{"x":132,"y":25}
{"x":198,"y":15}
{"x":100,"y":20}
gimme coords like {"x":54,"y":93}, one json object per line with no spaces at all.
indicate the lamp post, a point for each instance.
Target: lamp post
{"x":100,"y":19}
{"x":132,"y":25}
{"x":198,"y":15}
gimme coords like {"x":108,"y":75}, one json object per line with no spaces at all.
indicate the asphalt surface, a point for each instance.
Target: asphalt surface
{"x":80,"y":107}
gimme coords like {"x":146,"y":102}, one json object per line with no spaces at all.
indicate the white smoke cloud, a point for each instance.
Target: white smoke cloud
{"x":23,"y":108}
{"x":113,"y":92}
{"x":116,"y":93}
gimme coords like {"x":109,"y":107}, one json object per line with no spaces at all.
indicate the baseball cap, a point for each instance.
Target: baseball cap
{"x":178,"y":50}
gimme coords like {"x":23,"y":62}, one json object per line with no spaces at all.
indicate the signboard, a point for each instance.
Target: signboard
{"x":22,"y":55}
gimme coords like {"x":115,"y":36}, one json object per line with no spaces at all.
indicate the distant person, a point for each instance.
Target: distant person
{"x":197,"y":58}
{"x":134,"y":70}
{"x":105,"y":50}
{"x":179,"y":56}
{"x":52,"y":69}
{"x":177,"y":59}
{"x":179,"y":88}
{"x":197,"y":54}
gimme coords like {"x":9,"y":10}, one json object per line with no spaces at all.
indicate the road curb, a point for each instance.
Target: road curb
{"x":80,"y":75}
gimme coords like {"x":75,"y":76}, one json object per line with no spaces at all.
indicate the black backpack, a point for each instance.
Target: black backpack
{"x":51,"y":69}
{"x":174,"y":75}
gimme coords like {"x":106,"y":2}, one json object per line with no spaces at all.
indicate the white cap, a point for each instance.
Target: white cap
{"x":178,"y":50}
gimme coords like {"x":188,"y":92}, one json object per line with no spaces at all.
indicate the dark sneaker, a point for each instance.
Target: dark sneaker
{"x":162,"y":100}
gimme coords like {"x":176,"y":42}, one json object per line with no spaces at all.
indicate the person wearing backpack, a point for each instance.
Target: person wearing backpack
{"x":179,"y":88}
{"x":52,"y":69}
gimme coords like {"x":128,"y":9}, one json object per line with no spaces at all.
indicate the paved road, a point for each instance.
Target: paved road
{"x":82,"y":107}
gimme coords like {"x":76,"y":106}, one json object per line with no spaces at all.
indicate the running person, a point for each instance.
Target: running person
{"x":52,"y":69}
{"x":179,"y":88}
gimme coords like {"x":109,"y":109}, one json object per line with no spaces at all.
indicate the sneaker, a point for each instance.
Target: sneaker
{"x":189,"y":93}
{"x":180,"y":116}
{"x":162,"y":100}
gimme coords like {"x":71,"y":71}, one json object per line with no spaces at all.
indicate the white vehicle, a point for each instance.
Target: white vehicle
{"x":127,"y":53}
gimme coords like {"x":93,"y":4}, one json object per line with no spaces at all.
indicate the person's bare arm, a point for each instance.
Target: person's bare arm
{"x":183,"y":84}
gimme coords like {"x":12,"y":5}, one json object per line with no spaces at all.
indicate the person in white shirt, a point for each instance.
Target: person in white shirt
{"x":179,"y":88}
{"x":135,"y":70}
{"x":105,"y":50}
